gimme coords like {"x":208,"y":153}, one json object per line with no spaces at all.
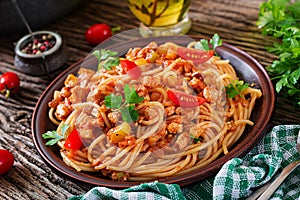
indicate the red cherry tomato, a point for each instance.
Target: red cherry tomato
{"x":184,"y":100}
{"x":131,"y":68}
{"x":6,"y":161}
{"x":9,"y":82}
{"x":195,"y":55}
{"x":97,"y":33}
{"x":73,"y":141}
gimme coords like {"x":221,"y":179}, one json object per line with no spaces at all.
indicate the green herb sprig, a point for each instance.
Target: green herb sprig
{"x":106,"y":58}
{"x":281,"y":19}
{"x":54,"y":136}
{"x":203,"y":44}
{"x":235,"y":88}
{"x":126,"y":106}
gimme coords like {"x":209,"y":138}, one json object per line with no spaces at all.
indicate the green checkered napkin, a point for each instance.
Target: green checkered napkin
{"x":237,"y":179}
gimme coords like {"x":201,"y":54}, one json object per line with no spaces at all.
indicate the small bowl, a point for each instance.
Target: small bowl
{"x":43,"y":63}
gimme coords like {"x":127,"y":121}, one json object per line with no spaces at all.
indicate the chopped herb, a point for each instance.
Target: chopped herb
{"x":203,"y":44}
{"x":235,"y":88}
{"x":195,"y":139}
{"x":54,"y":136}
{"x":106,"y":58}
{"x":126,"y":107}
{"x":280,"y":19}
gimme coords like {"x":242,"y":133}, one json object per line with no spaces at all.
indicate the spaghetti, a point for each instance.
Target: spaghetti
{"x":185,"y":120}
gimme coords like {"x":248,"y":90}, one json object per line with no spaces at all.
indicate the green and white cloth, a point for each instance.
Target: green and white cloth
{"x":237,"y":179}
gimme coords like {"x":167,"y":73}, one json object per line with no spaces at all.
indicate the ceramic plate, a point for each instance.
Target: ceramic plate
{"x":247,"y":69}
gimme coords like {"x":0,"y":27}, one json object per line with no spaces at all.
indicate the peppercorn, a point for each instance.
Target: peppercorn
{"x":40,"y":44}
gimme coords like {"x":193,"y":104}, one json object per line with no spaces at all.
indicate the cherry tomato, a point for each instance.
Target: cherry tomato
{"x":184,"y":100}
{"x":73,"y":141}
{"x":131,"y":68}
{"x":9,"y":82}
{"x":195,"y":55}
{"x":97,"y":33}
{"x":6,"y":161}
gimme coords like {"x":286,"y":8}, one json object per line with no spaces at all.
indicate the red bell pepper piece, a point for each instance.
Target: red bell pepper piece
{"x":73,"y":141}
{"x":131,"y":68}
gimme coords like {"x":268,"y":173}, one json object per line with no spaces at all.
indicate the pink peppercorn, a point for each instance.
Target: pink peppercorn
{"x":40,"y":44}
{"x":43,"y":48}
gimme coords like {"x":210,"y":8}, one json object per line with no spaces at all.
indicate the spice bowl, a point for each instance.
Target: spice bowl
{"x":40,"y":53}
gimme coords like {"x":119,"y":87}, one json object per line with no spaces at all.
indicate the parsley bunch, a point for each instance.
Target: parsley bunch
{"x":126,"y":106}
{"x":281,"y":19}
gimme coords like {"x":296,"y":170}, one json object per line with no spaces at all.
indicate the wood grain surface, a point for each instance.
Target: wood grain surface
{"x":31,"y":177}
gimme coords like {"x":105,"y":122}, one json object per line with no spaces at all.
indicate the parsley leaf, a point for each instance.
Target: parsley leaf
{"x":235,"y":88}
{"x":131,"y":95}
{"x":106,"y":58}
{"x":215,"y":41}
{"x":129,"y":114}
{"x":103,"y":54}
{"x":126,"y":107}
{"x":110,"y":62}
{"x":203,"y":44}
{"x":113,"y":101}
{"x":54,"y":136}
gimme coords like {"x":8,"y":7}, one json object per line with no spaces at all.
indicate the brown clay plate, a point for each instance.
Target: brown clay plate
{"x":247,"y":68}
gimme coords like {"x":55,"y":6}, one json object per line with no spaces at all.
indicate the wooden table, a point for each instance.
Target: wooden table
{"x":31,"y":177}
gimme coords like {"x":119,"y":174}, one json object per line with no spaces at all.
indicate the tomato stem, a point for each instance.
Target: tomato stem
{"x":115,"y":29}
{"x":6,"y":93}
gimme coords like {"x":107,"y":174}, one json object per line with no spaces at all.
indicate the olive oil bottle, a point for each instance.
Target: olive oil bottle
{"x":159,"y":13}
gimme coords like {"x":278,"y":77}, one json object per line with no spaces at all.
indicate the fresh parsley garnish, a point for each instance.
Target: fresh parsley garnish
{"x":280,"y":19}
{"x":203,"y":44}
{"x":235,"y":88}
{"x":125,"y":106}
{"x":106,"y":58}
{"x":113,"y":101}
{"x":54,"y":136}
{"x":131,"y":95}
{"x":129,"y":114}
